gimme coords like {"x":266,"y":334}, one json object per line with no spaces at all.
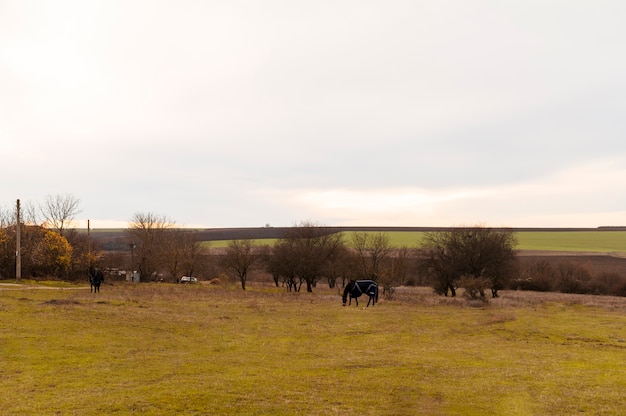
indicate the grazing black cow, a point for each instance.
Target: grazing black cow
{"x":356,"y":288}
{"x":95,"y":279}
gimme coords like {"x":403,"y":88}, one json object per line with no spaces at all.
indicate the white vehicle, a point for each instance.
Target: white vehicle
{"x":188,"y":279}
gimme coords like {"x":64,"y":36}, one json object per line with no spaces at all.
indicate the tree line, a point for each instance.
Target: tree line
{"x":475,"y":259}
{"x":309,"y":254}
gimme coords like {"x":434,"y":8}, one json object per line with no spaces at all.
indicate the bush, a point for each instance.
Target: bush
{"x":410,"y":282}
{"x":538,"y":276}
{"x":608,"y":283}
{"x":569,"y":277}
{"x":573,"y":278}
{"x":474,"y":286}
{"x":620,"y":290}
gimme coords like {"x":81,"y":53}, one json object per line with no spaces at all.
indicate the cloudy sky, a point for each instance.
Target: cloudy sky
{"x":233,"y":113}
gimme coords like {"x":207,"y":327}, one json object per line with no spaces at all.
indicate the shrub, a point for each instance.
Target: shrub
{"x":573,"y":278}
{"x":538,"y":276}
{"x":410,"y":281}
{"x":474,"y":286}
{"x":620,"y":289}
{"x":608,"y":283}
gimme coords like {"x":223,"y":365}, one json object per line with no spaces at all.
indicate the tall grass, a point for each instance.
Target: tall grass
{"x":195,"y":349}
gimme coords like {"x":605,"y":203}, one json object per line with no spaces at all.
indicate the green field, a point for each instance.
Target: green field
{"x":580,"y":241}
{"x":591,"y":241}
{"x":156,"y":349}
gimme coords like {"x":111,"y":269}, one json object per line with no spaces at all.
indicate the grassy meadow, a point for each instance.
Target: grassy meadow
{"x":156,"y":349}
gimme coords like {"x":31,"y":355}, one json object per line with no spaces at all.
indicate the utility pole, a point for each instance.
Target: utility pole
{"x":88,"y":243}
{"x":18,"y":250}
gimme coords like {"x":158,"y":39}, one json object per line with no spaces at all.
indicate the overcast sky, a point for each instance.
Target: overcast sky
{"x":245,"y":113}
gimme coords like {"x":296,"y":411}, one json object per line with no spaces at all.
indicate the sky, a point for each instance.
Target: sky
{"x":241,"y":113}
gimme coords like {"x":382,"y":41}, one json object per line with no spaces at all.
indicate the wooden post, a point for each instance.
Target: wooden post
{"x":18,"y":250}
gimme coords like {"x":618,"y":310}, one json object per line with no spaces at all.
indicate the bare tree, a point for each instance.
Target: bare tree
{"x":304,"y":255}
{"x":314,"y":247}
{"x":241,"y":256}
{"x":270,"y":262}
{"x":394,"y":270}
{"x":375,"y":258}
{"x":337,"y":266}
{"x":7,"y":217}
{"x":477,"y":256}
{"x":146,"y":233}
{"x":180,"y":252}
{"x":372,"y":251}
{"x":283,"y":263}
{"x":58,"y":211}
{"x":30,"y":214}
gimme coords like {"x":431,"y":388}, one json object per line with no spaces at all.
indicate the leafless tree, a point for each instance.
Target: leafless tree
{"x":476,"y":254}
{"x":241,"y":256}
{"x":30,"y":214}
{"x":372,"y":251}
{"x":7,"y":217}
{"x":270,"y":263}
{"x":180,"y":252}
{"x":146,"y":233}
{"x":338,"y":264}
{"x":304,"y":255}
{"x":314,"y":247}
{"x":394,"y":270}
{"x":58,"y":211}
{"x":283,"y":264}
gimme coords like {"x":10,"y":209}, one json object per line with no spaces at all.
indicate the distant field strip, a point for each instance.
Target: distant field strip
{"x":582,"y":241}
{"x":592,"y":241}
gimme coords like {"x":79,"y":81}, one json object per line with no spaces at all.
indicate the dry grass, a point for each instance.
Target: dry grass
{"x":199,"y":349}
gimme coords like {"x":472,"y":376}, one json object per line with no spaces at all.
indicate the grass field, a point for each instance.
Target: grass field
{"x":590,"y":241}
{"x":196,"y":349}
{"x":580,"y":241}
